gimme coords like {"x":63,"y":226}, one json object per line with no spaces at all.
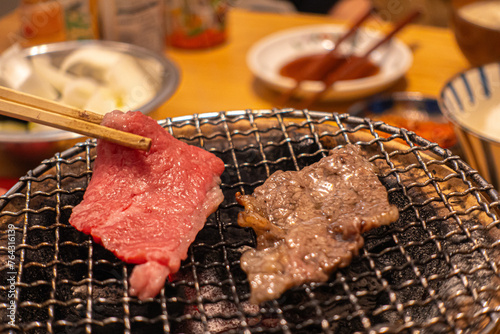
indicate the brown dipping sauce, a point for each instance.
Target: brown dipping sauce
{"x":296,"y":68}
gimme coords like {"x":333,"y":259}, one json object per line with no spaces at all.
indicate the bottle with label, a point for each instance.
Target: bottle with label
{"x":41,"y":22}
{"x":137,"y":22}
{"x":80,"y":18}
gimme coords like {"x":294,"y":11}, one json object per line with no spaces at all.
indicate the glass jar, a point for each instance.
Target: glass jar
{"x":195,"y":24}
{"x":41,"y":22}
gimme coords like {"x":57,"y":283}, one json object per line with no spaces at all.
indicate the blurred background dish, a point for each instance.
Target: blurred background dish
{"x":471,"y":100}
{"x":412,"y":111}
{"x":476,"y":25}
{"x":434,"y":12}
{"x":267,"y":57}
{"x":95,"y":75}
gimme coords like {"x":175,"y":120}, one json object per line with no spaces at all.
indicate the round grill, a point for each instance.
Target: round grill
{"x":435,"y":270}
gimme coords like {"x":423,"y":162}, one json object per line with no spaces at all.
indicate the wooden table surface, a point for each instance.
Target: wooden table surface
{"x":218,"y":79}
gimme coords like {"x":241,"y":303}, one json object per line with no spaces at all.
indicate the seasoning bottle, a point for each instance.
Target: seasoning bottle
{"x":195,"y":24}
{"x":137,"y":22}
{"x":80,"y":19}
{"x":41,"y":22}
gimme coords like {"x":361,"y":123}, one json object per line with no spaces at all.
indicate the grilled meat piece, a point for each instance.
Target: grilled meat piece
{"x":309,"y":222}
{"x":147,"y":207}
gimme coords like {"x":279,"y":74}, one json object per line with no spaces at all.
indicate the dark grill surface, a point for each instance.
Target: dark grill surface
{"x":435,"y":270}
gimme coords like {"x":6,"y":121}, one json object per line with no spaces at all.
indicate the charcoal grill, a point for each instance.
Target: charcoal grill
{"x":435,"y":270}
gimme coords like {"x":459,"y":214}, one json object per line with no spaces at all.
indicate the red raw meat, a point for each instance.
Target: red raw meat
{"x":147,"y":207}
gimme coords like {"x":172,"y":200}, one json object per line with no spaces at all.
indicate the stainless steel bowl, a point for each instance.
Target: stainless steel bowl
{"x":21,"y":150}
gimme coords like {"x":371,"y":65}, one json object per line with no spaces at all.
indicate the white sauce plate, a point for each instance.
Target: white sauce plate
{"x":270,"y":54}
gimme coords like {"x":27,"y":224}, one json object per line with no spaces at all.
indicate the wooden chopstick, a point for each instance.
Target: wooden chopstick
{"x":38,"y":102}
{"x":35,"y":109}
{"x":326,"y":62}
{"x":355,"y":65}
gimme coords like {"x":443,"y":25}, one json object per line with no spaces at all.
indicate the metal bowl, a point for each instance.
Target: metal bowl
{"x":25,"y":149}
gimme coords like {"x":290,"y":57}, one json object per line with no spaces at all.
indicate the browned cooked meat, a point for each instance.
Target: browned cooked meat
{"x":309,"y":222}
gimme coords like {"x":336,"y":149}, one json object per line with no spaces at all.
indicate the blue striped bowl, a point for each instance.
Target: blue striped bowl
{"x":471,"y":101}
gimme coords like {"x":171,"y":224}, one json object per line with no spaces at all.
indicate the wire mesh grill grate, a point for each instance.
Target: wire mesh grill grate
{"x":435,"y":270}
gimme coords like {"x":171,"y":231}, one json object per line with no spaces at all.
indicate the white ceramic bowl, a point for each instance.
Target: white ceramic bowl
{"x":269,"y":55}
{"x":471,"y":101}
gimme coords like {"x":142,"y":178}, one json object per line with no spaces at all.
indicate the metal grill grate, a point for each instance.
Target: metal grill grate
{"x":433,"y":271}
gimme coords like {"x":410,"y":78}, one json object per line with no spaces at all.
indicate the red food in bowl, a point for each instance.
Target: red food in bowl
{"x":441,"y":133}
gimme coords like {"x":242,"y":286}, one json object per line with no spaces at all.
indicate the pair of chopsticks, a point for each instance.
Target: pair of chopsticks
{"x":31,"y":108}
{"x":350,"y":65}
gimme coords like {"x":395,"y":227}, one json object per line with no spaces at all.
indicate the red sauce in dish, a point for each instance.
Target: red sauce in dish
{"x":295,"y":68}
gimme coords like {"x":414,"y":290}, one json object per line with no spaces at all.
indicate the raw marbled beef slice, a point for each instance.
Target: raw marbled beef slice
{"x":147,"y":207}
